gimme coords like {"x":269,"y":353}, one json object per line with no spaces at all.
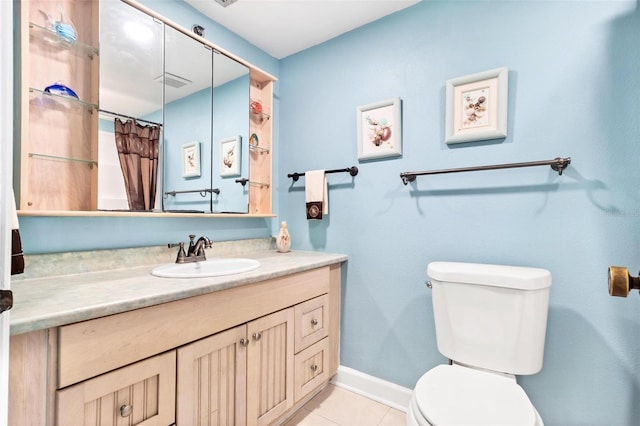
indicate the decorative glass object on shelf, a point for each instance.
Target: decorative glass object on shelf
{"x":53,"y":99}
{"x":64,"y":28}
{"x":50,"y":36}
{"x":257,"y":113}
{"x":60,"y":89}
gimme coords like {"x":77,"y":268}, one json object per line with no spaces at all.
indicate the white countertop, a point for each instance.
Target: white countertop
{"x":46,"y":302}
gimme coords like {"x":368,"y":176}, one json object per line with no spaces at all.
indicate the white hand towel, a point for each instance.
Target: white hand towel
{"x":316,"y":194}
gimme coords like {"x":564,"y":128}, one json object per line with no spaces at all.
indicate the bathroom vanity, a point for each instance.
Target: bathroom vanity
{"x":127,"y":347}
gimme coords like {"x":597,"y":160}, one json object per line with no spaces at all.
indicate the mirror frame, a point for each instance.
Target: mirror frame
{"x":260,"y":179}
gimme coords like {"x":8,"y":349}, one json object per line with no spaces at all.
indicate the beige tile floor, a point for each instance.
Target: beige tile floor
{"x":335,"y":406}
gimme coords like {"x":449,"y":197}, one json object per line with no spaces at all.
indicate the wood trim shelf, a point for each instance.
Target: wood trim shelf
{"x":111,"y":213}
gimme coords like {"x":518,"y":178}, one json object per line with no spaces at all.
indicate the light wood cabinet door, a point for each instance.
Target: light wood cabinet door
{"x":212,"y":380}
{"x":139,"y":394}
{"x":270,"y":367}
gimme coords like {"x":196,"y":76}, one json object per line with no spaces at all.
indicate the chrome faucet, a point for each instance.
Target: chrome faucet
{"x":195,"y":252}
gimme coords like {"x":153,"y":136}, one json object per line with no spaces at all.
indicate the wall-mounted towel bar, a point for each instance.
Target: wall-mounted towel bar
{"x":203,"y":192}
{"x":245,"y":181}
{"x":558,"y":164}
{"x":353,"y":171}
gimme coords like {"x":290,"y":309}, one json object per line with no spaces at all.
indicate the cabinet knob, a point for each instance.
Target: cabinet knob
{"x":126,"y":410}
{"x":244,"y":342}
{"x":314,"y":367}
{"x":314,"y":322}
{"x":257,"y":336}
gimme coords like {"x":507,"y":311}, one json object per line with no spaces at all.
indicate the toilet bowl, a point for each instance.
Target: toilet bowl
{"x":454,"y":395}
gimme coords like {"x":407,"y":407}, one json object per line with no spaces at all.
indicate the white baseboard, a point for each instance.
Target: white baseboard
{"x":395,"y":396}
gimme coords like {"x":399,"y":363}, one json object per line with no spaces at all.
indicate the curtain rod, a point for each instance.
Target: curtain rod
{"x":117,"y":114}
{"x":558,"y":164}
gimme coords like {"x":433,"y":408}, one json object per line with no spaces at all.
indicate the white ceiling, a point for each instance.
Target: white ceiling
{"x":284,"y":27}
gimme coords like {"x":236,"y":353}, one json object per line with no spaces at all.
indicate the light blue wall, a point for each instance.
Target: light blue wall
{"x":57,"y":234}
{"x":574,"y":87}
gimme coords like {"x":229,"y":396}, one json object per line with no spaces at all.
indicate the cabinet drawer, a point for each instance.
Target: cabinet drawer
{"x":141,"y":392}
{"x":311,"y":368}
{"x":311,"y":319}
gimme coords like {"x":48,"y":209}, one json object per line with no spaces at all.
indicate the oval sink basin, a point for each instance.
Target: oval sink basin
{"x":207,"y":268}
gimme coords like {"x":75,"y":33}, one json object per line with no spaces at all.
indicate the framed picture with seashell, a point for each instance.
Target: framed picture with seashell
{"x":380,"y":129}
{"x":477,"y":106}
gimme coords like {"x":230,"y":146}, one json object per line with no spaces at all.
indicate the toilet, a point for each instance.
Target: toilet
{"x":491,"y":322}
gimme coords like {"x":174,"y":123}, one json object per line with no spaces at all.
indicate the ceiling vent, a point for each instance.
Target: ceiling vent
{"x":172,"y":80}
{"x":225,"y":3}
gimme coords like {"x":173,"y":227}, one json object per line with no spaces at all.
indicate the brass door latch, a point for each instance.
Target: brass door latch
{"x":620,"y":282}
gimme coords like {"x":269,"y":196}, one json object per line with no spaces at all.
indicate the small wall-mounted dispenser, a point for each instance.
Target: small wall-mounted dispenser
{"x":620,"y":282}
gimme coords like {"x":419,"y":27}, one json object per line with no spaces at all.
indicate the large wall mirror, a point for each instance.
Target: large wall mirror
{"x":191,"y":97}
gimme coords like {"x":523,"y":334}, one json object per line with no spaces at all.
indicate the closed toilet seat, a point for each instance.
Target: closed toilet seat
{"x":452,"y":395}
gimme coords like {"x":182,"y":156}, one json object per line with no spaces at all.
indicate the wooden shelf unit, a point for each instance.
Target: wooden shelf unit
{"x":57,"y":130}
{"x":261,"y":156}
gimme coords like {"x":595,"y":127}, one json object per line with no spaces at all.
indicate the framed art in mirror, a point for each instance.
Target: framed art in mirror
{"x":230,"y":156}
{"x":477,"y":107}
{"x":191,"y":159}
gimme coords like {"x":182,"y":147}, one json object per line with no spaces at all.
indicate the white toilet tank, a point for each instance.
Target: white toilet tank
{"x":491,"y":316}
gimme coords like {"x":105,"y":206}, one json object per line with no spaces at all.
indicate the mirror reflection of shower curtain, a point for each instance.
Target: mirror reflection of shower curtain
{"x":138,"y":153}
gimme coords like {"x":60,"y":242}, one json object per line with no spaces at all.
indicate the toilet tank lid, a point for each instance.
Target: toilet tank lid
{"x":516,"y":277}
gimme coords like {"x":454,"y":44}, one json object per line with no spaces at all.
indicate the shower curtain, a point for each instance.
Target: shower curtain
{"x":138,"y":153}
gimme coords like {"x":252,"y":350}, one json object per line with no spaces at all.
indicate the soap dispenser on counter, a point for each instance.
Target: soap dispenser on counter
{"x":283,"y":240}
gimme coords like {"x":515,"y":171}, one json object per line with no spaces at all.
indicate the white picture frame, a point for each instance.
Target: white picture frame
{"x":379,"y":129}
{"x":231,"y":156}
{"x":191,"y":159}
{"x":477,"y":106}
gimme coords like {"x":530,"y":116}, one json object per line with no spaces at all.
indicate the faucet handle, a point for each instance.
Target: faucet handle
{"x":181,"y":252}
